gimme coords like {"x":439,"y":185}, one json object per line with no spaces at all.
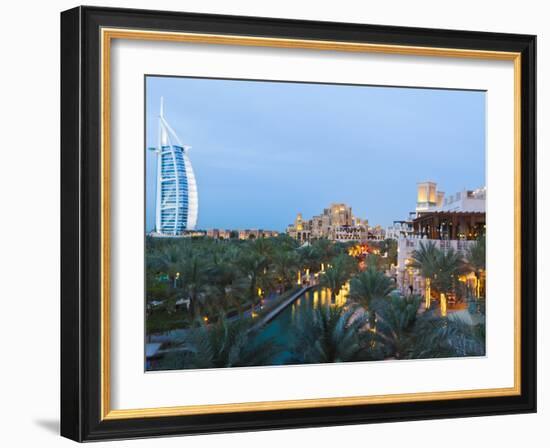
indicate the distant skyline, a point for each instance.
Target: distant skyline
{"x":264,"y":151}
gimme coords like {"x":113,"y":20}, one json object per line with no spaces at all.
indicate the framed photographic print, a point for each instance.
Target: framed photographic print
{"x":273,"y":223}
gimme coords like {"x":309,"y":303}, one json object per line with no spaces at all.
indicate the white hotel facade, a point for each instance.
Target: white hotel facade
{"x":177,"y":201}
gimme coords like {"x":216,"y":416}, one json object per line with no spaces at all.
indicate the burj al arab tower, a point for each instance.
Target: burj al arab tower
{"x":177,"y":201}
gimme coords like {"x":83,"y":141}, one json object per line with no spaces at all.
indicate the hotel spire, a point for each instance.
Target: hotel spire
{"x":177,"y":197}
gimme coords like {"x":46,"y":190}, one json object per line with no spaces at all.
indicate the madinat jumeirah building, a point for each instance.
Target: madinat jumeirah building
{"x":453,"y":221}
{"x":336,"y":223}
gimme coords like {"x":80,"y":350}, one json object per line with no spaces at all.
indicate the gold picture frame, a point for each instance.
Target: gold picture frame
{"x":106,"y":32}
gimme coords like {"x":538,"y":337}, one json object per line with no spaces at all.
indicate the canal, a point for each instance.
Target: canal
{"x":280,"y":329}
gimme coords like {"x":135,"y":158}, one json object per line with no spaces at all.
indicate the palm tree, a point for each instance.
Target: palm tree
{"x":194,"y":282}
{"x":226,"y":284}
{"x":437,"y":337}
{"x":425,"y":260}
{"x":449,"y":265}
{"x":391,"y":250}
{"x":168,"y":259}
{"x":325,"y":250}
{"x":367,"y":286}
{"x":475,"y":261}
{"x":263,"y":247}
{"x":395,"y":326}
{"x":252,"y":265}
{"x":285,"y":242}
{"x":337,"y":275}
{"x":309,"y":258}
{"x":373,"y":261}
{"x":223,"y":344}
{"x":285,"y":265}
{"x":330,"y":334}
{"x":405,"y":334}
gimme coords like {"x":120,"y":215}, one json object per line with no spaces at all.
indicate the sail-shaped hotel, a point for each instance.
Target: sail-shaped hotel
{"x":177,"y":201}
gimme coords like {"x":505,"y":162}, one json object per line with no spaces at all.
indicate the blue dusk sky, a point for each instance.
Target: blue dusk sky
{"x":264,"y":151}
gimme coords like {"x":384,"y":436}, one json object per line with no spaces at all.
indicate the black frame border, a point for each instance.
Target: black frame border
{"x":81,"y":223}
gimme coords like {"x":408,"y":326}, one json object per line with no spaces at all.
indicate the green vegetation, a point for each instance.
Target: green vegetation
{"x":223,"y":344}
{"x":338,"y":273}
{"x":204,"y":296}
{"x":405,"y":333}
{"x":475,"y":261}
{"x":331,"y":334}
{"x":368,"y":286}
{"x":442,"y":270}
{"x":195,"y":280}
{"x":425,"y":260}
{"x":384,"y":254}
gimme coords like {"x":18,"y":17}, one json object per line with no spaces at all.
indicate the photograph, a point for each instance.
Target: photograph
{"x":282,"y":221}
{"x":292,"y":223}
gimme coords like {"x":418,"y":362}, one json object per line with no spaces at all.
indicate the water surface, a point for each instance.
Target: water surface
{"x":280,"y":329}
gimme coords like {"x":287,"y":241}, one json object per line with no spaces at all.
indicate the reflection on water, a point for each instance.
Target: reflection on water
{"x":315,"y":298}
{"x":280,"y":328}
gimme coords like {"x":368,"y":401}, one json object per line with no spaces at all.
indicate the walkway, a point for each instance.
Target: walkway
{"x":278,"y":309}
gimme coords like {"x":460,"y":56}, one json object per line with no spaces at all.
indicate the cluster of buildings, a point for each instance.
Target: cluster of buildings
{"x":448,"y":221}
{"x":336,"y":223}
{"x":454,"y":221}
{"x":241,"y":234}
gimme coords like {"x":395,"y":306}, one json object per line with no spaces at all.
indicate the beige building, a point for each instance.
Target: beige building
{"x":429,"y":199}
{"x":348,"y":233}
{"x":376,"y":233}
{"x":213,"y":233}
{"x":248,"y":234}
{"x":432,"y":203}
{"x":242,"y":234}
{"x":340,"y":215}
{"x":336,"y":223}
